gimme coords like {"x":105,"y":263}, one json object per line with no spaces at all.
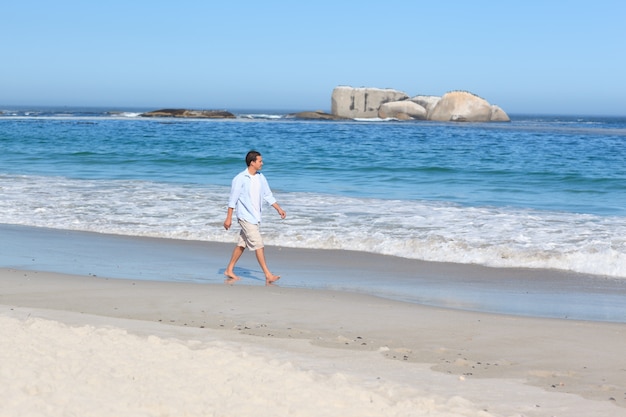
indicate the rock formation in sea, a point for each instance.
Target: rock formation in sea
{"x":362,"y":102}
{"x":461,"y":106}
{"x":402,"y":110}
{"x":454,"y":106}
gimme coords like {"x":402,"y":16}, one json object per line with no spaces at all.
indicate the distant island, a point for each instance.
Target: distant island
{"x":376,"y":103}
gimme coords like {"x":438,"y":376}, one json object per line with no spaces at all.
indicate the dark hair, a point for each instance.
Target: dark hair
{"x":251,"y":157}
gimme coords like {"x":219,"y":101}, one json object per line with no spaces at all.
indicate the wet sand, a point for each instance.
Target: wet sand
{"x":500,"y":363}
{"x":362,"y":334}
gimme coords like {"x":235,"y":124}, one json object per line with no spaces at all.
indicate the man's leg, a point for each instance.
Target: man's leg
{"x":230,"y":269}
{"x":269,"y":277}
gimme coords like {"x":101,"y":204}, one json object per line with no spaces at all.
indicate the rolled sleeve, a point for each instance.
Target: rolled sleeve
{"x":235,"y":191}
{"x":267,"y":192}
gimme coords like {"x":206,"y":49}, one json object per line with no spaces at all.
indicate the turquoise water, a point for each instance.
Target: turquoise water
{"x":539,"y":192}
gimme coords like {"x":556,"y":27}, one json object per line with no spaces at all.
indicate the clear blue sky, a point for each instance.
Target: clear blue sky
{"x":555,"y":57}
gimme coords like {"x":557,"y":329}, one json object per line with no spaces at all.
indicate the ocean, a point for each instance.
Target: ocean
{"x":538,"y":192}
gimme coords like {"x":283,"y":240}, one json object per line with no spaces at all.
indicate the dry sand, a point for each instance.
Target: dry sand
{"x":90,"y":346}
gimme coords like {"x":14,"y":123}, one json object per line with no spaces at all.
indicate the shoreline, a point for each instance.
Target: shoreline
{"x":466,"y":287}
{"x":543,"y":366}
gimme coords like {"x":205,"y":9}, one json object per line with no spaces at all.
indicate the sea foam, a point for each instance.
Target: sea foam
{"x":426,"y":230}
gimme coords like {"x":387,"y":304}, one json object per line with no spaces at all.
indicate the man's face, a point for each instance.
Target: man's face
{"x":257,"y":164}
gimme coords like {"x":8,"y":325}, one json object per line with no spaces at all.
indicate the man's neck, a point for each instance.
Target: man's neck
{"x":252,"y":171}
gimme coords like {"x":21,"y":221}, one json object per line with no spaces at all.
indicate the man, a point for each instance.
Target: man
{"x":248,"y":191}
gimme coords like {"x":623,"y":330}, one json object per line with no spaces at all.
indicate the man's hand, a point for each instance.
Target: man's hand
{"x":280,"y":211}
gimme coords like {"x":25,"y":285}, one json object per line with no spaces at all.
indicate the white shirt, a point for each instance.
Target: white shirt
{"x":255,"y":195}
{"x":240,"y":196}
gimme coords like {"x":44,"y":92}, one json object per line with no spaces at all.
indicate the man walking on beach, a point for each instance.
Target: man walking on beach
{"x":248,"y":191}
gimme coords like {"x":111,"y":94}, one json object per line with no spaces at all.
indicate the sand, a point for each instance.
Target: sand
{"x":93,"y":346}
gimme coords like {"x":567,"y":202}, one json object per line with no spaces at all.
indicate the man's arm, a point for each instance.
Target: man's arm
{"x":229,"y":218}
{"x":235,"y":191}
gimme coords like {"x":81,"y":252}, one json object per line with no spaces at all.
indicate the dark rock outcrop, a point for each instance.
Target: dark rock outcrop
{"x":190,"y":114}
{"x":314,"y":115}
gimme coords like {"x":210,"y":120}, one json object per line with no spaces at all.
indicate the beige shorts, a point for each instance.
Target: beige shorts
{"x":250,"y":236}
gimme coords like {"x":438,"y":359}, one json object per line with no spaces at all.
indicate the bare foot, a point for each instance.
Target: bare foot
{"x":270,"y":279}
{"x":230,"y":277}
